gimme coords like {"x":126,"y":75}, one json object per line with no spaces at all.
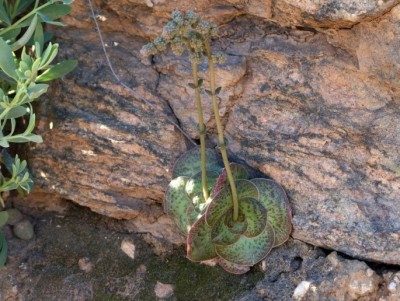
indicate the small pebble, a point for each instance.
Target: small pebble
{"x":24,"y":230}
{"x":128,"y":248}
{"x":301,"y":290}
{"x":85,"y":265}
{"x":164,"y":291}
{"x":14,"y":216}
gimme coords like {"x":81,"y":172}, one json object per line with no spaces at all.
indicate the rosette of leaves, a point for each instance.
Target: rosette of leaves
{"x":264,"y":222}
{"x":212,"y":234}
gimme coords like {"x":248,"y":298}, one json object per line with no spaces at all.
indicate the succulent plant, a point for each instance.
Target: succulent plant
{"x":226,"y":216}
{"x":264,"y":213}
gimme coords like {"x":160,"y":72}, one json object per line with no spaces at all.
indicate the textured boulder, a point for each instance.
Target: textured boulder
{"x":301,"y":273}
{"x":304,"y":101}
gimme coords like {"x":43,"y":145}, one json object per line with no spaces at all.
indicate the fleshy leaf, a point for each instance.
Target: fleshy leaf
{"x":238,"y":226}
{"x":176,"y":202}
{"x":192,"y":214}
{"x":233,"y":268}
{"x":246,"y":189}
{"x":238,"y":172}
{"x":194,"y":185}
{"x":274,"y":199}
{"x":248,"y":251}
{"x":255,"y":215}
{"x":199,"y":244}
{"x":221,"y":234}
{"x":189,"y":163}
{"x":222,"y":202}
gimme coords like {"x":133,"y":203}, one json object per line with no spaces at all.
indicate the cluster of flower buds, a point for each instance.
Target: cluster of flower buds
{"x":185,"y":30}
{"x":219,"y":58}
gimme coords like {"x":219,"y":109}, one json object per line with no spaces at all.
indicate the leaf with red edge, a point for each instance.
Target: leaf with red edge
{"x":233,"y":268}
{"x":222,"y":202}
{"x":189,"y":163}
{"x":199,"y":244}
{"x":274,"y":199}
{"x":238,"y":172}
{"x":248,"y":251}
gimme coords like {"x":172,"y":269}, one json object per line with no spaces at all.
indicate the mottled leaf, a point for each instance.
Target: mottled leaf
{"x":246,"y":189}
{"x":176,"y":202}
{"x":192,"y":214}
{"x":222,"y":202}
{"x":221,"y":234}
{"x":274,"y":199}
{"x":219,"y":205}
{"x":233,"y":268}
{"x":238,"y":226}
{"x":194,"y":185}
{"x":248,"y":251}
{"x":255,"y":215}
{"x":238,"y":172}
{"x":189,"y":163}
{"x":199,"y":244}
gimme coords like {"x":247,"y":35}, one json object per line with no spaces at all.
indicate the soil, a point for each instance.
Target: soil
{"x":77,"y":255}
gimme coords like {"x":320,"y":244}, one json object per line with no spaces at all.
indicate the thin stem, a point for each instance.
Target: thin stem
{"x":202,"y":130}
{"x":221,"y":139}
{"x":133,"y":92}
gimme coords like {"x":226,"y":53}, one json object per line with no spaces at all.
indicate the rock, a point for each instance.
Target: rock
{"x":128,"y":248}
{"x":85,"y":264}
{"x":392,"y":281}
{"x":163,"y":291}
{"x":24,"y":230}
{"x":298,"y":272}
{"x":14,"y":216}
{"x":310,"y":98}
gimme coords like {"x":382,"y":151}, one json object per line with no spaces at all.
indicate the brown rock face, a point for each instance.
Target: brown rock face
{"x":304,"y":101}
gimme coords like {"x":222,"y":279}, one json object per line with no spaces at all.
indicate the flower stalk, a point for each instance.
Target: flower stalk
{"x":202,"y":130}
{"x":221,"y":139}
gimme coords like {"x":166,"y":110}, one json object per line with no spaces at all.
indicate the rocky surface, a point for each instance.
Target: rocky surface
{"x":310,"y":98}
{"x":78,"y":255}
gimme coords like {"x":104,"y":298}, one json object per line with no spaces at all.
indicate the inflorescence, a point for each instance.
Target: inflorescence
{"x":185,"y":31}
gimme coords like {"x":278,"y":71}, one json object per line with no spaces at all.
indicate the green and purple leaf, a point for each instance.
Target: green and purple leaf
{"x":255,"y":215}
{"x":274,"y":199}
{"x":189,"y":163}
{"x":222,"y":202}
{"x":176,"y":202}
{"x":233,"y":268}
{"x":192,"y":214}
{"x":246,"y":189}
{"x":248,"y":251}
{"x":194,"y":185}
{"x":238,"y":172}
{"x":221,"y":234}
{"x":199,"y":244}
